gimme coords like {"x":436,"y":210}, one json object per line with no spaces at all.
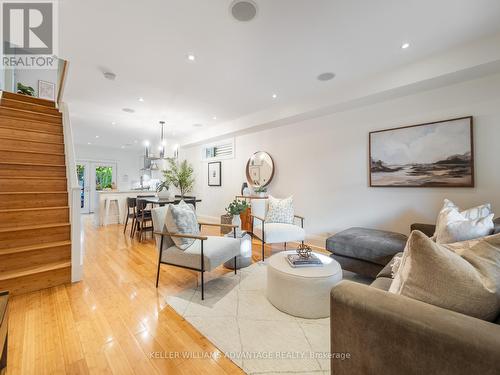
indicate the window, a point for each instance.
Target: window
{"x":218,"y":150}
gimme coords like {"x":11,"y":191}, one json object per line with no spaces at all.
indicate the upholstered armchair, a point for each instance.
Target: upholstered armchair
{"x":275,"y":232}
{"x":205,"y":254}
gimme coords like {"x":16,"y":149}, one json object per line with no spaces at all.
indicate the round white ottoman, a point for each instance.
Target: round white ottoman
{"x":302,"y":291}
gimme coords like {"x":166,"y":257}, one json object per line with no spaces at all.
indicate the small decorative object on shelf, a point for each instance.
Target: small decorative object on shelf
{"x":25,"y":90}
{"x":304,"y":251}
{"x":261,"y":191}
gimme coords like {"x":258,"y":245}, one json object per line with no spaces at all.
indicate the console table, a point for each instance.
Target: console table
{"x":4,"y":319}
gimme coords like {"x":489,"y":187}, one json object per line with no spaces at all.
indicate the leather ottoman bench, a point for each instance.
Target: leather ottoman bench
{"x":365,"y":251}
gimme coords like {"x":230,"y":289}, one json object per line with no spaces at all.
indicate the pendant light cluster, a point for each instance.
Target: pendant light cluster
{"x":161,"y":149}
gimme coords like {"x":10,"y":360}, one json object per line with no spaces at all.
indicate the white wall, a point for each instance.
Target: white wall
{"x":323,"y":162}
{"x":128,"y":161}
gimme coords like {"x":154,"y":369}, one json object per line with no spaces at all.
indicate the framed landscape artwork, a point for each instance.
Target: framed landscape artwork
{"x":214,"y":173}
{"x":436,"y":154}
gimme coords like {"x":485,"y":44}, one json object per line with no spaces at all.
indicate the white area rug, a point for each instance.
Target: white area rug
{"x":237,"y":318}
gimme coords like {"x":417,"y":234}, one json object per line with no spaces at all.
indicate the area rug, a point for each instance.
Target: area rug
{"x":239,"y":320}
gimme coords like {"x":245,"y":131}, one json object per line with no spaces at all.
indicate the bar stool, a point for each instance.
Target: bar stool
{"x":107,"y":204}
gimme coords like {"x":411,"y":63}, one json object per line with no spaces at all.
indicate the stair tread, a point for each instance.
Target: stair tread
{"x":31,"y":227}
{"x":30,"y":99}
{"x":37,"y":178}
{"x":38,"y":246}
{"x":30,"y":140}
{"x":5,"y":126}
{"x":29,"y":103}
{"x":33,"y":209}
{"x":33,"y":192}
{"x":34,"y":270}
{"x":32,"y":112}
{"x":32,"y":152}
{"x":32,"y":164}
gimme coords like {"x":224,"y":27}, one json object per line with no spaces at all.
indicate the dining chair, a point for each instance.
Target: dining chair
{"x":131,"y":203}
{"x":142,"y":214}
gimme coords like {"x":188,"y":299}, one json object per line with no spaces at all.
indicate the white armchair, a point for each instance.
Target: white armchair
{"x":205,"y":254}
{"x":275,"y":232}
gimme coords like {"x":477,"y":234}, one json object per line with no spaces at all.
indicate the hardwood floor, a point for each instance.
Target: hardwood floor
{"x":114,"y":321}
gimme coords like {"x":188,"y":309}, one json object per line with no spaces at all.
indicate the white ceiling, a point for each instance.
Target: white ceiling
{"x":238,"y":65}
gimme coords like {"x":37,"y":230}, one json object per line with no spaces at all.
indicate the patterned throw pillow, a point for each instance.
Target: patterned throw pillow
{"x":181,"y":218}
{"x":280,"y":210}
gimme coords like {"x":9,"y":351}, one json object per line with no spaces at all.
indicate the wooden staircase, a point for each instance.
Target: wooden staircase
{"x":35,"y":246}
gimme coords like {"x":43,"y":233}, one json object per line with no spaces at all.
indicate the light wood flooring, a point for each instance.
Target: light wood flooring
{"x":113,"y":320}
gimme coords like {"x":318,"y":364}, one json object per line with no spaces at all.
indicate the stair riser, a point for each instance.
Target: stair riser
{"x":28,"y":99}
{"x":28,"y":135}
{"x":36,"y":281}
{"x":26,"y":157}
{"x":29,"y":107}
{"x":22,"y":260}
{"x":34,"y":200}
{"x":31,"y":171}
{"x":14,"y":123}
{"x":14,"y":219}
{"x":30,"y":115}
{"x":10,"y":240}
{"x":22,"y":185}
{"x":23,"y":145}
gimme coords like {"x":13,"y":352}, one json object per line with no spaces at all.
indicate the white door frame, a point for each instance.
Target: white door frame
{"x":92,"y":164}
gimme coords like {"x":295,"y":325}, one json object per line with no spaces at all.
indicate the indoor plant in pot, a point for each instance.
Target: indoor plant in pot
{"x":25,"y":90}
{"x":234,"y":209}
{"x":179,"y":175}
{"x":162,"y":190}
{"x":261,"y":191}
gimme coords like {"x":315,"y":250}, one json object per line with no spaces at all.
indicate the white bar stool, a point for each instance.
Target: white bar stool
{"x":107,"y":204}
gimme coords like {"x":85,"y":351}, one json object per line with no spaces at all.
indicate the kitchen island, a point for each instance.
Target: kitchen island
{"x":111,"y":207}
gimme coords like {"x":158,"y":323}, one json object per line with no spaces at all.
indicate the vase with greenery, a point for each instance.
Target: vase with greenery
{"x":180,"y":175}
{"x":162,"y":189}
{"x":25,"y":90}
{"x":261,"y":190}
{"x":234,"y":209}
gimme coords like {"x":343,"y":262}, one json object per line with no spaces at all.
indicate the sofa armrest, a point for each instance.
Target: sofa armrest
{"x":427,"y":229}
{"x":391,"y":334}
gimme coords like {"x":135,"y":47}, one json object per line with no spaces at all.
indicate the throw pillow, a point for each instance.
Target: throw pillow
{"x":181,"y":218}
{"x":455,"y":227}
{"x":474,"y":213}
{"x":280,"y":210}
{"x":465,"y":280}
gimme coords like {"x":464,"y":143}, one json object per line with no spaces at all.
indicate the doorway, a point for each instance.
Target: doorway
{"x":94,"y":176}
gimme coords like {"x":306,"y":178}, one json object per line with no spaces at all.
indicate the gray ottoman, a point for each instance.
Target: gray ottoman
{"x":365,"y":251}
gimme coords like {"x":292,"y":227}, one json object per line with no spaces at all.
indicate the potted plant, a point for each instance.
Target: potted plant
{"x":25,"y":90}
{"x":261,"y":191}
{"x":234,"y":209}
{"x":162,"y":190}
{"x":179,"y":175}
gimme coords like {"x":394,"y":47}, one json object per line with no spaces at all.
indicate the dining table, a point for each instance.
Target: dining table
{"x":164,"y":201}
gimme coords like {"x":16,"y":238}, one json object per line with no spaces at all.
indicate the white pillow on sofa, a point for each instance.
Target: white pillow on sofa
{"x":181,"y":219}
{"x":454,"y":225}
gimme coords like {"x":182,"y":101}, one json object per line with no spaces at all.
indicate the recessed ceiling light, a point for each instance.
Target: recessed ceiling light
{"x":135,"y":141}
{"x":405,"y":45}
{"x":128,"y":110}
{"x":191,"y":57}
{"x":122,"y":146}
{"x":113,"y":123}
{"x":214,"y":118}
{"x":141,"y":99}
{"x":109,"y":75}
{"x":326,"y":76}
{"x":274,"y":96}
{"x":97,"y":136}
{"x":89,"y":143}
{"x":243,"y":10}
{"x":197,"y":125}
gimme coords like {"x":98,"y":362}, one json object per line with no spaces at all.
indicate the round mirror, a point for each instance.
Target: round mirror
{"x":260,"y":169}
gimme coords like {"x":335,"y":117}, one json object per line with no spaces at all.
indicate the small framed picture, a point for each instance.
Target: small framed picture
{"x":214,"y":173}
{"x":47,"y":90}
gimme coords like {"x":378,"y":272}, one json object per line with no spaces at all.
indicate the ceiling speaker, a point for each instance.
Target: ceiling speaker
{"x":243,"y":10}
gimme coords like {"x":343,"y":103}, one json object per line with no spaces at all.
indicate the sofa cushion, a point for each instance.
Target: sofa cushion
{"x":279,"y":232}
{"x":464,"y":280}
{"x":181,"y":219}
{"x":382,"y":283}
{"x":216,"y":251}
{"x":376,"y":246}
